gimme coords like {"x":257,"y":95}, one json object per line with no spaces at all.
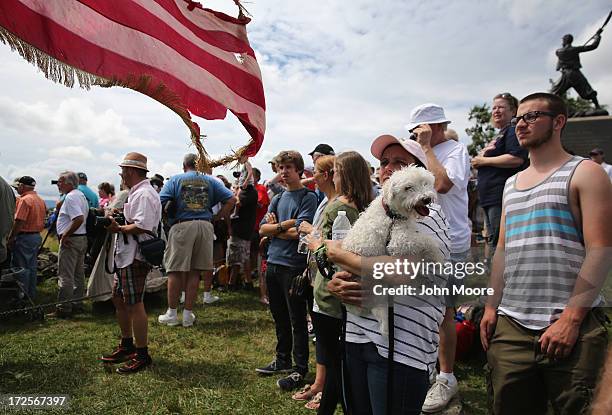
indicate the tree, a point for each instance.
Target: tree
{"x":482,"y":131}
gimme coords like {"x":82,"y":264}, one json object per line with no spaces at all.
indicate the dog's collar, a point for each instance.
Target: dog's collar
{"x":389,"y":212}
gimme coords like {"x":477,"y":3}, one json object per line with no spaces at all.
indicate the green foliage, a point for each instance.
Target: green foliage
{"x":482,"y":131}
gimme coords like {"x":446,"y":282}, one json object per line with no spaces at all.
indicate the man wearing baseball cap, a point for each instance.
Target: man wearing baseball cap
{"x":25,"y":236}
{"x":90,"y":195}
{"x":449,"y":161}
{"x":597,"y":155}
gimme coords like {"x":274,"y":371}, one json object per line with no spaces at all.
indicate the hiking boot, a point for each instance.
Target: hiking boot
{"x":119,"y":355}
{"x":169,"y":319}
{"x":135,"y":365}
{"x":439,"y":395}
{"x":291,"y":382}
{"x":273,"y":368}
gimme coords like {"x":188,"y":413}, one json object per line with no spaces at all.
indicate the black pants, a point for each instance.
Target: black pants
{"x":289,"y":315}
{"x":328,"y":330}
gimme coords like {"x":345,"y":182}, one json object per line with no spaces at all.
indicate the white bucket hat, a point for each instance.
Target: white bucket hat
{"x":426,"y":114}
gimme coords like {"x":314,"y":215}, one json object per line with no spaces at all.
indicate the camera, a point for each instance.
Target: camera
{"x":103,"y":221}
{"x":54,"y":181}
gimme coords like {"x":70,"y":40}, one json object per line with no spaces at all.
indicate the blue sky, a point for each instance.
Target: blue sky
{"x":335,"y":71}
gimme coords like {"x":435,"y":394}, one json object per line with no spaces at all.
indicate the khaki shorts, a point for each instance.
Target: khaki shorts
{"x":190,"y":247}
{"x":238,"y":252}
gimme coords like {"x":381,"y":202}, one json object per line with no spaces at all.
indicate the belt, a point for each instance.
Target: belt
{"x":74,"y":235}
{"x":29,"y":233}
{"x":189,"y":220}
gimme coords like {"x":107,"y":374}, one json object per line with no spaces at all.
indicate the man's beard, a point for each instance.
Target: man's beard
{"x":541,"y":140}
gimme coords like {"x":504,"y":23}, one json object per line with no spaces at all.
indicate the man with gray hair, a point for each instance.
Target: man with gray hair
{"x":73,"y":245}
{"x":190,"y":241}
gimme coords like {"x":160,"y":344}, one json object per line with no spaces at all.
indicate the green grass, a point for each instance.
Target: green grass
{"x":204,"y":369}
{"x":208,"y":368}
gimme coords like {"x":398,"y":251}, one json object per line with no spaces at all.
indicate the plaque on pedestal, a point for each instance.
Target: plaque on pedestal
{"x":581,"y":135}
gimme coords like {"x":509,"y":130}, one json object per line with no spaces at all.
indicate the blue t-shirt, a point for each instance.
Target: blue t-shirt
{"x":491,"y":180}
{"x":194,"y":195}
{"x":90,"y":195}
{"x":298,"y":204}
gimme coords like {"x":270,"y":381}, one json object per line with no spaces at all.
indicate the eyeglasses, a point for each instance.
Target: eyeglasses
{"x":531,"y":117}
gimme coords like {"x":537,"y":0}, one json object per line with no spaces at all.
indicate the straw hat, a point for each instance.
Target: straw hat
{"x":135,"y":160}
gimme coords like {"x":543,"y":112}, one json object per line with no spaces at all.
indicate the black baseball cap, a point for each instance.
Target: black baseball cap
{"x":325,"y":149}
{"x":82,"y":175}
{"x":26,"y":180}
{"x":596,"y":152}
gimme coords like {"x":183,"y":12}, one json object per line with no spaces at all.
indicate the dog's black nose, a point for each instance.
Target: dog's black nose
{"x":426,"y":201}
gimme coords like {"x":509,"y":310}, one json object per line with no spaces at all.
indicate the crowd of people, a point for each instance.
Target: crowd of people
{"x":543,"y":329}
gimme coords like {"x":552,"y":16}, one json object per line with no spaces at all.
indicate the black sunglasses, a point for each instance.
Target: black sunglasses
{"x":531,"y":117}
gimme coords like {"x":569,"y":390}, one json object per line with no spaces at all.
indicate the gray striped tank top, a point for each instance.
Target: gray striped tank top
{"x":544,"y":249}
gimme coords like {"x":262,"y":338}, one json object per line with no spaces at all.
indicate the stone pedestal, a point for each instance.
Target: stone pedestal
{"x":581,"y":135}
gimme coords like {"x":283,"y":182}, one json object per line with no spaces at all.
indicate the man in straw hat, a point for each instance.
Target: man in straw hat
{"x":142,"y":213}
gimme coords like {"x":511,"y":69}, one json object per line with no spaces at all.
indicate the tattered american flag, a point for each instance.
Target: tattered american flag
{"x":191,"y":59}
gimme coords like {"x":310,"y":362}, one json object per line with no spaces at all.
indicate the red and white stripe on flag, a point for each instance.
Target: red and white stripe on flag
{"x":193,"y":59}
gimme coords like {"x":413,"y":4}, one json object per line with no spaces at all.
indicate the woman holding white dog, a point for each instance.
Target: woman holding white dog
{"x":348,"y":188}
{"x":416,"y":329}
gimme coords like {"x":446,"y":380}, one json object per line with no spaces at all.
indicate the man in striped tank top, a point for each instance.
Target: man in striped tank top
{"x":544,"y":334}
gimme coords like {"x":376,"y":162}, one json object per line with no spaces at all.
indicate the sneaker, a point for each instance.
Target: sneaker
{"x":134,"y":365}
{"x":273,"y":368}
{"x":439,"y":395}
{"x":291,"y":382}
{"x":119,"y":355}
{"x":188,"y":319}
{"x":168,"y":319}
{"x":209,"y":299}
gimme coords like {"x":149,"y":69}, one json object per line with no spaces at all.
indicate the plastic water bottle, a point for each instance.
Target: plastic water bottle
{"x":341,"y":226}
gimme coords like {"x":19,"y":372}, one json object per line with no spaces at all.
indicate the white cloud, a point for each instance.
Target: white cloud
{"x":71,"y":152}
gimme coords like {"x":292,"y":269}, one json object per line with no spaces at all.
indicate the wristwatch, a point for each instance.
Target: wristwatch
{"x":279,"y":228}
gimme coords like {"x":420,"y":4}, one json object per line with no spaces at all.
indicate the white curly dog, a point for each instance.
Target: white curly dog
{"x":388,"y":227}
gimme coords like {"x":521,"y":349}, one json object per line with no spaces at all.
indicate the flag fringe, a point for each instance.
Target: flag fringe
{"x":62,"y":73}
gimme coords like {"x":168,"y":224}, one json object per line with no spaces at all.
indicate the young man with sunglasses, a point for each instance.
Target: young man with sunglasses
{"x":544,"y":334}
{"x":500,"y":159}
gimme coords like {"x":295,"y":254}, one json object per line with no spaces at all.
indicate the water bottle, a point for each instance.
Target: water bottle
{"x":341,"y":226}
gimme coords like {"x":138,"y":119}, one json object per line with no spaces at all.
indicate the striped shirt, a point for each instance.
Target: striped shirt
{"x":544,"y":249}
{"x":417,"y":318}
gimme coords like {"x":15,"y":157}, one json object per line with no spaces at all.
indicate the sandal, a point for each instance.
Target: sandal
{"x":315,"y":402}
{"x":304,"y":394}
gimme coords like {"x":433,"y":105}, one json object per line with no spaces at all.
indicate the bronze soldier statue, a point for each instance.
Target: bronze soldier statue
{"x":569,"y":65}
